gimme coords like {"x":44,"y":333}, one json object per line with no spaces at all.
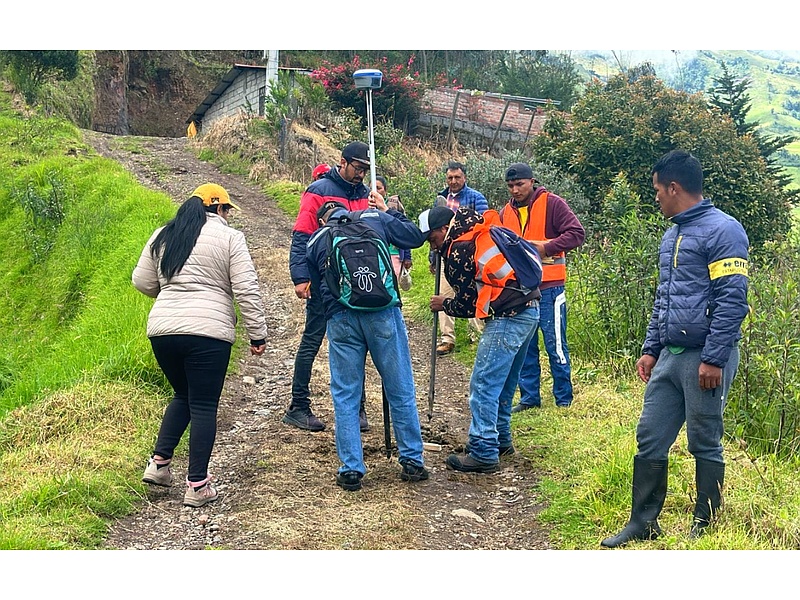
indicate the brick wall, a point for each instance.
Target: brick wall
{"x":477,"y":108}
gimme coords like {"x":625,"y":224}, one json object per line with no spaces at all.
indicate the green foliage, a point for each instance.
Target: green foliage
{"x":764,"y":408}
{"x":729,"y":94}
{"x":346,"y":127}
{"x":612,"y":282}
{"x":539,"y":74}
{"x":73,"y":99}
{"x":29,"y":69}
{"x":45,"y":211}
{"x":487,"y":175}
{"x":286,"y":194}
{"x":410,"y":178}
{"x":290,"y":98}
{"x":626,"y":126}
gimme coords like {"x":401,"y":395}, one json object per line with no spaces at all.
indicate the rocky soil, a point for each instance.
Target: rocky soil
{"x":277,"y":482}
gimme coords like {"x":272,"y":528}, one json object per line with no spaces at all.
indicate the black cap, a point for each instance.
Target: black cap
{"x":439,"y":217}
{"x":328,"y":207}
{"x":356,"y":151}
{"x":519,"y":171}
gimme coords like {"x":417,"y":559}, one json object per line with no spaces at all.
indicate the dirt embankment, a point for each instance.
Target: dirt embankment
{"x":277,"y":482}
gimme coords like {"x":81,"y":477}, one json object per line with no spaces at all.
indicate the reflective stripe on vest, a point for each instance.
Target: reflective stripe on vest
{"x":492,"y":268}
{"x":554,"y":268}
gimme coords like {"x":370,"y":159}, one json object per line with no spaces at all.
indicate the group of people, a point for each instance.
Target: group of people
{"x":196,"y":266}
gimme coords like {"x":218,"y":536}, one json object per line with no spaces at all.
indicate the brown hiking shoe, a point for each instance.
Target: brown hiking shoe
{"x":158,"y":474}
{"x":445,"y":348}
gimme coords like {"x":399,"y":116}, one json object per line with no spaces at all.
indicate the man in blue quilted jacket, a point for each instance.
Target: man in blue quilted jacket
{"x":690,"y":353}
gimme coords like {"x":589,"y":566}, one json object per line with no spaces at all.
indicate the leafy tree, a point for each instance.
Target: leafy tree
{"x":28,"y":69}
{"x":729,"y":94}
{"x":626,"y":126}
{"x":539,"y":74}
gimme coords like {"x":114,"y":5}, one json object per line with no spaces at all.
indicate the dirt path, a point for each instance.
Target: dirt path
{"x":277,"y":482}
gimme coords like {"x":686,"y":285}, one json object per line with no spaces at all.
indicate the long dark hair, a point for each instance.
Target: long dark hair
{"x":176,"y":241}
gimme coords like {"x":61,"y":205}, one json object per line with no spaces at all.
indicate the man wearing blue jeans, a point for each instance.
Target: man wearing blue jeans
{"x":550,"y":225}
{"x":690,"y":353}
{"x":485,"y":286}
{"x":352,"y":333}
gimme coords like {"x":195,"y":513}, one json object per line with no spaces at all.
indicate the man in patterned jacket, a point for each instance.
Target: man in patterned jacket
{"x":690,"y":353}
{"x":457,"y":194}
{"x":485,"y":287}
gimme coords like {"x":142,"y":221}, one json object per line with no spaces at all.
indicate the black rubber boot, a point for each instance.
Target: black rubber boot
{"x":649,"y":493}
{"x":709,"y":477}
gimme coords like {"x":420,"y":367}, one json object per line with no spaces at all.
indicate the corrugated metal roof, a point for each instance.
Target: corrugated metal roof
{"x":224,"y":84}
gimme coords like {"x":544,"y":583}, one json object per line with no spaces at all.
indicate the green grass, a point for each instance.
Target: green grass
{"x":80,"y":392}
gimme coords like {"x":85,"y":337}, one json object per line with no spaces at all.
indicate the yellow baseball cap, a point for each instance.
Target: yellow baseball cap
{"x":211,"y":193}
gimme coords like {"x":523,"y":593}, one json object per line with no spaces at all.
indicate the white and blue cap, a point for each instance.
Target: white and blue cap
{"x":434,"y":218}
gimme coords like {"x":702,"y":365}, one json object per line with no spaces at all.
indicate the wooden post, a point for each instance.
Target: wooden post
{"x":497,"y":131}
{"x":452,"y":120}
{"x":533,"y":115}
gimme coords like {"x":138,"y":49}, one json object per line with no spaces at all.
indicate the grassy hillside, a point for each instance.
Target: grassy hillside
{"x":80,"y":394}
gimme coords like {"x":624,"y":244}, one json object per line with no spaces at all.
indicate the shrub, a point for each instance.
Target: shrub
{"x":764,"y":404}
{"x":397,"y":101}
{"x":612,"y":282}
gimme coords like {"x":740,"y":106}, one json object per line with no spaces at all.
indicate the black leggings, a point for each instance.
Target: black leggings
{"x":195,"y":367}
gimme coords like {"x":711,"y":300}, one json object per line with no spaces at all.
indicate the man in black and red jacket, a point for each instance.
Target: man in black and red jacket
{"x":342,"y":184}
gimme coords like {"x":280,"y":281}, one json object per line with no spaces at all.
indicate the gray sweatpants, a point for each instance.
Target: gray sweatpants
{"x":673,"y":396}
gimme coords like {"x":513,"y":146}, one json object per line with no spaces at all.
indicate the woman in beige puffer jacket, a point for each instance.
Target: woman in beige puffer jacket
{"x":194,"y":267}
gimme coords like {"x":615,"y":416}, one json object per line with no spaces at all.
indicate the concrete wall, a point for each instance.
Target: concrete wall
{"x":243,"y":92}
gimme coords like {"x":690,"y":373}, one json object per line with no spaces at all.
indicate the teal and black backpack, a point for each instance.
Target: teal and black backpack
{"x":359,"y":271}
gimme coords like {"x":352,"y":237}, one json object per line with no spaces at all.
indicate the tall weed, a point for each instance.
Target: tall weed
{"x":612,"y":282}
{"x":764,"y":407}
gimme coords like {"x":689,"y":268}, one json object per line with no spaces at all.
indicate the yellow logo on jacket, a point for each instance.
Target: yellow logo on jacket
{"x":727,"y":266}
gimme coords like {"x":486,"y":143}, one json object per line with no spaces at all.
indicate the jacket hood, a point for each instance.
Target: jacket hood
{"x":464,"y":221}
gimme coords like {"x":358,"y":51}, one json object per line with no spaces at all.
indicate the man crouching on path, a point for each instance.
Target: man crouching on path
{"x":351,"y":333}
{"x":485,"y":287}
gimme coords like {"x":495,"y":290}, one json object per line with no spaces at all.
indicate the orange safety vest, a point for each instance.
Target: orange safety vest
{"x":492,"y":268}
{"x":554,"y":268}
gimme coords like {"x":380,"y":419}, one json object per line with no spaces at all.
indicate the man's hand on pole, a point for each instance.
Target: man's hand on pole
{"x":377,"y":201}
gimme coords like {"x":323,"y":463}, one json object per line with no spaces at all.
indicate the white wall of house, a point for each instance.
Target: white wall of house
{"x":242,"y":94}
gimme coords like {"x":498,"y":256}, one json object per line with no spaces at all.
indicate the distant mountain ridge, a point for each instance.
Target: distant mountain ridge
{"x":774,"y":75}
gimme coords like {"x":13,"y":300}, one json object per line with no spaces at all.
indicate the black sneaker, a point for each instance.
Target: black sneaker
{"x":349,"y":480}
{"x":303,"y":418}
{"x":466,"y":464}
{"x":520,"y":407}
{"x":507,"y":450}
{"x":413,"y":473}
{"x":363,"y":425}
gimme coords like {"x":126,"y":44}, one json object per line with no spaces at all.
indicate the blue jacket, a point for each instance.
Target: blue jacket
{"x":470,"y":198}
{"x":392,"y":226}
{"x":701,"y":298}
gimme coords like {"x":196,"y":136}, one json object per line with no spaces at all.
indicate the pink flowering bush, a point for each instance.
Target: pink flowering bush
{"x":397,"y":101}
